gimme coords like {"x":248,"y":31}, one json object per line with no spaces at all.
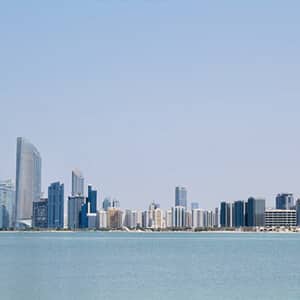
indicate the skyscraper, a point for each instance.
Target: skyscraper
{"x":225,"y":214}
{"x":77,"y":183}
{"x":256,"y":212}
{"x":285,"y":201}
{"x":298,"y":212}
{"x":178,"y":216}
{"x":56,"y":205}
{"x":106,"y":204}
{"x":74,"y":211}
{"x":40,"y":213}
{"x":181,"y":196}
{"x":7,"y":203}
{"x":92,"y":199}
{"x":28,"y":180}
{"x":239,"y":213}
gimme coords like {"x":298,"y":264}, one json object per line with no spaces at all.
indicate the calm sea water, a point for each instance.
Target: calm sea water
{"x":149,"y":266}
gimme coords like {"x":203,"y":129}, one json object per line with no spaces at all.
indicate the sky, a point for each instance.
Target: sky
{"x":143,"y":96}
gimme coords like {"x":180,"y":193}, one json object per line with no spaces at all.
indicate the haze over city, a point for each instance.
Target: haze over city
{"x":144,"y":96}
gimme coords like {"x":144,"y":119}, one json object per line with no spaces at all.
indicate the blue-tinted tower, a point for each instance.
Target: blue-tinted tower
{"x":56,"y":205}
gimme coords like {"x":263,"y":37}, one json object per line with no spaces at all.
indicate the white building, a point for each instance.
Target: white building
{"x":280,"y":218}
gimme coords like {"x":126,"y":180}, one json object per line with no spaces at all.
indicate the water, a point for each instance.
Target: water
{"x":149,"y":266}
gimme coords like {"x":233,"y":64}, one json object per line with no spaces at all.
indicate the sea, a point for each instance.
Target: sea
{"x":142,"y":266}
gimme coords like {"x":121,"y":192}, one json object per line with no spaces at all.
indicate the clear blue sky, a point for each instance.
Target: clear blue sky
{"x":145,"y":95}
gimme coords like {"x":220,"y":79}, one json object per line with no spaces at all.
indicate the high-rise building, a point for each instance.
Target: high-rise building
{"x":178,"y":216}
{"x":298,"y":212}
{"x":256,"y":212}
{"x":217,"y":217}
{"x":74,"y":209}
{"x":181,"y":196}
{"x":92,"y":199}
{"x":239,"y":214}
{"x":194,"y":205}
{"x":225,"y":214}
{"x":285,"y":201}
{"x":114,"y":218}
{"x":77,"y":183}
{"x":40,"y":213}
{"x":102,"y":219}
{"x":280,"y":218}
{"x":115,"y":203}
{"x":56,"y":205}
{"x":28,"y":180}
{"x":7,"y":203}
{"x":106,"y":203}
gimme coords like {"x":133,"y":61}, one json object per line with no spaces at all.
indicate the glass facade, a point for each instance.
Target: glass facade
{"x":181,"y":196}
{"x":28,"y":179}
{"x":56,"y":205}
{"x":77,"y":183}
{"x":7,"y":203}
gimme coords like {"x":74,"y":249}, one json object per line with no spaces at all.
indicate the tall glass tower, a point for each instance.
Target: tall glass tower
{"x":56,"y":205}
{"x":181,"y":196}
{"x":28,"y":180}
{"x":77,"y":183}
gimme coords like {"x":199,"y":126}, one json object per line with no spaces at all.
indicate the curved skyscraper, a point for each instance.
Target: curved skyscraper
{"x":28,"y":180}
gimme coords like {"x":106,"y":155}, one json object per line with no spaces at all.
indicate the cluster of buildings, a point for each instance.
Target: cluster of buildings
{"x":22,"y":206}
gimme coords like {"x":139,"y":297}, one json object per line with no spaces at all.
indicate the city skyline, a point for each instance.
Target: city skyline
{"x":155,"y":94}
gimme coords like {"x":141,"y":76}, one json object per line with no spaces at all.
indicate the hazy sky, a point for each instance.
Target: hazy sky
{"x":146,"y":95}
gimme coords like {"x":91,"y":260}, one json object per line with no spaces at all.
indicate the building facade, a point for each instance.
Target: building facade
{"x":256,"y":212}
{"x":7,"y":204}
{"x":28,"y":180}
{"x":77,"y":183}
{"x":74,"y":209}
{"x":181,"y":196}
{"x":280,"y":218}
{"x":56,"y":205}
{"x":40,"y":213}
{"x":285,"y":201}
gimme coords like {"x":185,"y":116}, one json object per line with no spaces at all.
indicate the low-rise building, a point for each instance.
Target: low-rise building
{"x":280,"y":218}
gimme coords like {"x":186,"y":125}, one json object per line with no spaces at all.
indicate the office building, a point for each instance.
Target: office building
{"x":77,"y":183}
{"x":178,"y":217}
{"x":92,"y":199}
{"x":56,"y":205}
{"x":181,"y":196}
{"x":28,"y":181}
{"x":102,"y":219}
{"x":226,"y":214}
{"x":74,"y":210}
{"x":106,"y":204}
{"x":40,"y":213}
{"x":285,"y":201}
{"x":7,"y":203}
{"x":114,"y":218}
{"x":298,"y":212}
{"x":194,"y":205}
{"x":239,"y":214}
{"x":256,"y":212}
{"x":280,"y":218}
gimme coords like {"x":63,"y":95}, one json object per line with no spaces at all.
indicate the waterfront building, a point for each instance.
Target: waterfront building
{"x":56,"y":205}
{"x":116,"y":203}
{"x":197,"y":218}
{"x":102,"y":219}
{"x":217,"y":218}
{"x":83,"y":215}
{"x":178,"y":216}
{"x":158,"y":219}
{"x":74,"y":210}
{"x":145,"y":219}
{"x":285,"y":201}
{"x":188,"y":219}
{"x":256,"y":212}
{"x":181,"y":196}
{"x":239,"y":214}
{"x":7,"y":203}
{"x":194,"y":205}
{"x":92,"y":220}
{"x":169,"y":218}
{"x":92,"y":199}
{"x":77,"y":183}
{"x":130,"y":218}
{"x":28,"y":181}
{"x":298,"y":212}
{"x":226,"y":214}
{"x":114,"y":218}
{"x":280,"y":218}
{"x":106,"y":204}
{"x":40,"y":213}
